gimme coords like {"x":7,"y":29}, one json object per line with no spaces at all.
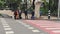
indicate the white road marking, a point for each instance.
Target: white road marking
{"x":27,"y":25}
{"x":30,"y":27}
{"x":18,"y":21}
{"x":23,"y":23}
{"x":35,"y":30}
{"x":2,"y":20}
{"x":52,"y":28}
{"x":7,"y":28}
{"x":5,"y":24}
{"x":57,"y":31}
{"x":46,"y":26}
{"x":9,"y":32}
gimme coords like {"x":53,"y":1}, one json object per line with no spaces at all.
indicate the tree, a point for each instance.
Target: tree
{"x":45,"y":7}
{"x":54,"y":7}
{"x":2,"y":2}
{"x":33,"y":4}
{"x":14,"y":4}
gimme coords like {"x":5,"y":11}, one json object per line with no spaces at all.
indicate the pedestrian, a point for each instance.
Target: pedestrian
{"x":16,"y":14}
{"x":40,"y":13}
{"x":20,"y":12}
{"x":32,"y":17}
{"x":26,"y":15}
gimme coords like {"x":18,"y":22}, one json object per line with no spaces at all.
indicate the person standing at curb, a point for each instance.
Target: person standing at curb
{"x":26,"y":15}
{"x":40,"y":13}
{"x":32,"y":17}
{"x":16,"y":15}
{"x":20,"y":12}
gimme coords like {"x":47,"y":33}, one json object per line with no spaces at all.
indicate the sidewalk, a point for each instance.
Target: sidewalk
{"x":7,"y":12}
{"x":10,"y":13}
{"x":42,"y":17}
{"x":51,"y":27}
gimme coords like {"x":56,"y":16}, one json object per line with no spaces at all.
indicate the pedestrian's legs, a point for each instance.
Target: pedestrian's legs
{"x":25,"y":16}
{"x":15,"y":17}
{"x":20,"y":16}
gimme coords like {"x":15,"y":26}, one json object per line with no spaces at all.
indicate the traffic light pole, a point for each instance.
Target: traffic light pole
{"x":49,"y":11}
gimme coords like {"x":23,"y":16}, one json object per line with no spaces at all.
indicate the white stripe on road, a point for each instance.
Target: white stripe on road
{"x":21,"y":22}
{"x":18,"y":21}
{"x":5,"y":24}
{"x":2,"y":20}
{"x":35,"y":30}
{"x":52,"y":28}
{"x":46,"y":26}
{"x":9,"y":32}
{"x":27,"y":25}
{"x":30,"y":27}
{"x":57,"y":31}
{"x":7,"y":28}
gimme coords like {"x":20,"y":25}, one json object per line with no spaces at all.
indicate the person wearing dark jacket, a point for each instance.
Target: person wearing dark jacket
{"x":32,"y":17}
{"x":20,"y":12}
{"x":26,"y":15}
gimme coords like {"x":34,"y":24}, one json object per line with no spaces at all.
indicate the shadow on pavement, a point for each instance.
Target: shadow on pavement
{"x":5,"y":16}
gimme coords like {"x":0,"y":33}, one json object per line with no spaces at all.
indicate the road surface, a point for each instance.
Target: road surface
{"x":11,"y":26}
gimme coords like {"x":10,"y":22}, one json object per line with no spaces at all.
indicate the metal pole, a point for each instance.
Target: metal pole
{"x":49,"y":11}
{"x":58,"y":8}
{"x":49,"y":14}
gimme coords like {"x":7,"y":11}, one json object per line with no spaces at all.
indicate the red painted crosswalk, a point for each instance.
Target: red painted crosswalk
{"x":49,"y":26}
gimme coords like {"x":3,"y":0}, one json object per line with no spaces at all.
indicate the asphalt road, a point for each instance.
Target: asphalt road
{"x":11,"y":26}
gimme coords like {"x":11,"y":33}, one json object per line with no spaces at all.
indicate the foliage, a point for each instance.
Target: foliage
{"x":2,"y":3}
{"x":45,"y":7}
{"x":53,"y":5}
